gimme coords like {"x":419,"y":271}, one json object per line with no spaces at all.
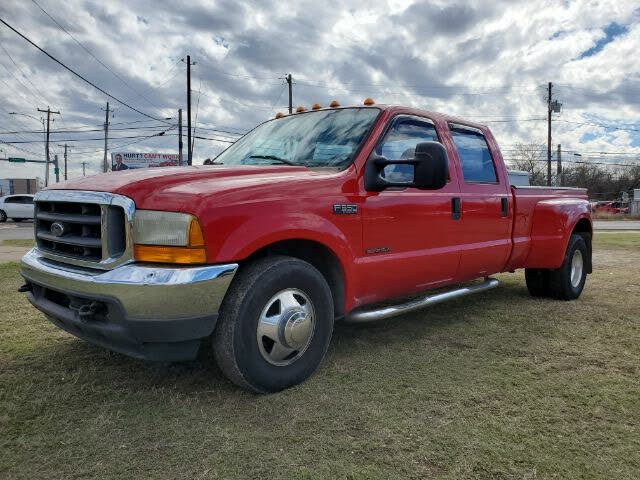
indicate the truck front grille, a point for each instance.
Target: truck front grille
{"x":83,"y":228}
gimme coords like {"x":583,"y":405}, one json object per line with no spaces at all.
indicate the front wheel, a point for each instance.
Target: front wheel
{"x":3,"y":216}
{"x":275,"y":324}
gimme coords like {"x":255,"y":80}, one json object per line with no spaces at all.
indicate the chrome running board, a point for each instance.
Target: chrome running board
{"x":363,"y":316}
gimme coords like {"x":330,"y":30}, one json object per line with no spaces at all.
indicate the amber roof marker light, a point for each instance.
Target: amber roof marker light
{"x":279,"y":115}
{"x":316,"y":106}
{"x":334,"y":104}
{"x":368,"y":101}
{"x":301,"y":109}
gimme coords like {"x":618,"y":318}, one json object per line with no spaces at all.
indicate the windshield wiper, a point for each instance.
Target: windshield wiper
{"x":277,"y":159}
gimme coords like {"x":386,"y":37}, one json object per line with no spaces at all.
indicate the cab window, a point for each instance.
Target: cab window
{"x":400,"y":143}
{"x":475,"y":156}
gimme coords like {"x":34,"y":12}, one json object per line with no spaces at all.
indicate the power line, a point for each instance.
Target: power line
{"x":600,"y":125}
{"x":215,"y":139}
{"x":516,"y":120}
{"x":158,"y":127}
{"x":138,"y":121}
{"x":39,"y":93}
{"x":89,"y":139}
{"x":22,"y":149}
{"x":195,"y":121}
{"x":93,"y":56}
{"x":123,"y":103}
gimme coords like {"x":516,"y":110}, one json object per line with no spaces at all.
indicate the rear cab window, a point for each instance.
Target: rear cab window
{"x":474,"y":154}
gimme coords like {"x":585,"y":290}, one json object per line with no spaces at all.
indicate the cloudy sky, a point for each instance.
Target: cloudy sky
{"x":487,"y":61}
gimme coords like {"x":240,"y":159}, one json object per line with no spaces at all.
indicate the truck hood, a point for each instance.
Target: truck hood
{"x":155,"y":188}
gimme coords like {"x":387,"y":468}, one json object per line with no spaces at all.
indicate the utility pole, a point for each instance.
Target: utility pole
{"x":553,"y":106}
{"x":559,"y":171}
{"x":189,"y":153}
{"x":549,"y":134}
{"x":189,"y":145}
{"x":105,"y":166}
{"x":65,"y":159}
{"x":290,"y":82}
{"x":83,"y":171}
{"x":180,"y":137}
{"x":56,"y":168}
{"x":47,"y":153}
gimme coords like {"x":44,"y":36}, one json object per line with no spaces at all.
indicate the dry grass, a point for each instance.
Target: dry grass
{"x":499,"y":385}
{"x":18,"y":243}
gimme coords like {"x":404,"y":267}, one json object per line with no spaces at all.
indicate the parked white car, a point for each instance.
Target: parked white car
{"x":16,"y":207}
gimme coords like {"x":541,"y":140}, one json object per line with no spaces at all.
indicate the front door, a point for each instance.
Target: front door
{"x":409,"y":235}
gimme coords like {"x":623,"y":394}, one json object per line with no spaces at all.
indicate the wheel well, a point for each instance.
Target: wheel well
{"x":317,"y":255}
{"x":583,"y":228}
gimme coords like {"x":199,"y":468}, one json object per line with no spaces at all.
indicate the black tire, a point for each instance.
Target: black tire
{"x":558,"y":283}
{"x":567,"y":283}
{"x":537,"y":281}
{"x":3,"y":216}
{"x":235,"y":340}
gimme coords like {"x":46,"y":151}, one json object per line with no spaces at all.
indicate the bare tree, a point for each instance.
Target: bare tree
{"x":530,"y":157}
{"x":603,"y":182}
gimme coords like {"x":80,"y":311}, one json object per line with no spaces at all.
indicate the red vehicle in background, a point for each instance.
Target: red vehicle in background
{"x":310,"y":217}
{"x":610,"y":207}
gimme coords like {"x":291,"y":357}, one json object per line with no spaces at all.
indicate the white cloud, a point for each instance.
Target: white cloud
{"x":483,"y":60}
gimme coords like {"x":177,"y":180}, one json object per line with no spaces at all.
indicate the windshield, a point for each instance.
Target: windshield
{"x":326,"y":138}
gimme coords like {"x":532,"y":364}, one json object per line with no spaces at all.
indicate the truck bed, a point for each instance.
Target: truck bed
{"x":539,"y":226}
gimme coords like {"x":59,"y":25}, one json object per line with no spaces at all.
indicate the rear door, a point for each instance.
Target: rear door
{"x":485,"y":241}
{"x":409,"y":235}
{"x":28,"y":206}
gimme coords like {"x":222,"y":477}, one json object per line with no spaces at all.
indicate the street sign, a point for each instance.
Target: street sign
{"x":17,"y":159}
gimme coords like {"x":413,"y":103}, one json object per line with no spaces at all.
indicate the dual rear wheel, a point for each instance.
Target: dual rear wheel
{"x":566,"y":282}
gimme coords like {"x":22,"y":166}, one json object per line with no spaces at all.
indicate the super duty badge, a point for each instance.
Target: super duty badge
{"x":345,"y":209}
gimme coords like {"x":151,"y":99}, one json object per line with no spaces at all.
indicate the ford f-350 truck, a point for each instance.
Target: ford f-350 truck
{"x":333,"y":213}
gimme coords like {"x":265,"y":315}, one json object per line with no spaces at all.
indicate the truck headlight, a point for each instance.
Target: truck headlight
{"x":168,"y":237}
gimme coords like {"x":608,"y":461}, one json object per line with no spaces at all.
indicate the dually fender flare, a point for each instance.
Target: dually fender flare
{"x":553,"y":222}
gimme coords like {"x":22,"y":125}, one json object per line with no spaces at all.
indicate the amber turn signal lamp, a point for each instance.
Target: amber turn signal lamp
{"x":196,"y":238}
{"x":368,"y":101}
{"x":334,"y":104}
{"x":316,"y":106}
{"x":300,"y":109}
{"x":161,"y":254}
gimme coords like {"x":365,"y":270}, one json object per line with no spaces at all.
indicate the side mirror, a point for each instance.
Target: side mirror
{"x":430,"y":169}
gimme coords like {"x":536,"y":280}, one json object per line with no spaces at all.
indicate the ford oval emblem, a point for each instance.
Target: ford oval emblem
{"x":57,"y":229}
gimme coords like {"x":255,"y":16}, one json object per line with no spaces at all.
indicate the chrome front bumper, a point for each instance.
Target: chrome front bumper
{"x":139,"y":310}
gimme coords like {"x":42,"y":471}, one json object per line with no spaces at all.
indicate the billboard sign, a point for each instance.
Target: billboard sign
{"x":127,"y":161}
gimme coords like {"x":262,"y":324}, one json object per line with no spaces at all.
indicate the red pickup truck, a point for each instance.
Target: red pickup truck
{"x":311,"y":217}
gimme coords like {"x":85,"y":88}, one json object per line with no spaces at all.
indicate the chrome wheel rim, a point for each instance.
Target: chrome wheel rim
{"x":285,"y":327}
{"x":576,"y":268}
